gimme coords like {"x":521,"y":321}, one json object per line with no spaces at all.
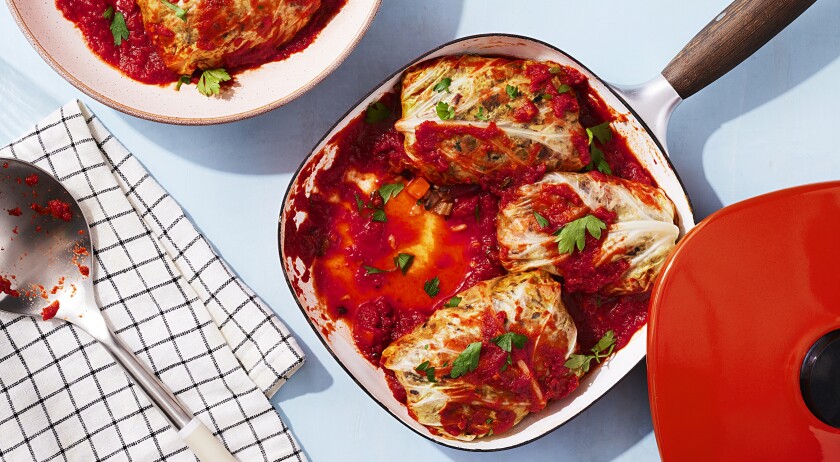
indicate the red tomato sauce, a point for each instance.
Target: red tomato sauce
{"x":139,"y":59}
{"x":57,"y":208}
{"x":135,"y":57}
{"x":6,"y":287}
{"x":338,"y":238}
{"x":260,"y":55}
{"x":49,"y":311}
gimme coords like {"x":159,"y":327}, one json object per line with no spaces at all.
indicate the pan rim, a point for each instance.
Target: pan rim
{"x":353,"y":108}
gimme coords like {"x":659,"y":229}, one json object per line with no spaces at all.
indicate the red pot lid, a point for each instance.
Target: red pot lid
{"x":744,"y":300}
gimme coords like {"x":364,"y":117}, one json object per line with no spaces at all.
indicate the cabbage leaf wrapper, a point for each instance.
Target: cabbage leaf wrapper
{"x":640,"y":231}
{"x":491,"y":121}
{"x":505,"y":386}
{"x":212,"y":34}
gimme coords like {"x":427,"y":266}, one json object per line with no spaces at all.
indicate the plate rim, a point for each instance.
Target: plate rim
{"x":84,"y":88}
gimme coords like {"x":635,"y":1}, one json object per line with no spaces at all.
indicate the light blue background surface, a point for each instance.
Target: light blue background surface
{"x":769,"y":124}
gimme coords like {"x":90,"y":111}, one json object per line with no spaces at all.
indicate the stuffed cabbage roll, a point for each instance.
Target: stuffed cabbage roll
{"x":483,"y":365}
{"x":639,"y":231}
{"x":470,"y":119}
{"x":208,"y":34}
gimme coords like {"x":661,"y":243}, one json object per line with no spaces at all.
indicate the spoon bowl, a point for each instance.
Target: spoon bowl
{"x":46,"y":270}
{"x":46,"y":245}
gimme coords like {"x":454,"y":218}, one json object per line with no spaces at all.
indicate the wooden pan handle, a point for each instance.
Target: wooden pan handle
{"x":735,"y":34}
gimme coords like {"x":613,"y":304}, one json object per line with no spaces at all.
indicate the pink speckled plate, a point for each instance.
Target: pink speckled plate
{"x":257,"y":91}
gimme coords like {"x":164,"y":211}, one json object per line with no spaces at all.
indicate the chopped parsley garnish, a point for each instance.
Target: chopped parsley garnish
{"x":359,"y":204}
{"x":208,"y":83}
{"x":467,"y":361}
{"x":512,"y":91}
{"x":574,"y":233}
{"x":109,"y":13}
{"x":563,"y":88}
{"x":379,"y":215}
{"x":403,"y":261}
{"x":444,"y":111}
{"x":118,"y":27}
{"x":601,"y":132}
{"x":426,"y":369}
{"x":488,"y":421}
{"x":506,"y":342}
{"x":432,"y":287}
{"x":541,"y":220}
{"x":443,"y":85}
{"x":598,"y":161}
{"x":453,"y":302}
{"x":182,"y":80}
{"x":579,"y":364}
{"x":480,"y":114}
{"x":377,"y":112}
{"x":390,"y":190}
{"x":554,"y":69}
{"x":179,"y":12}
{"x":373,"y":270}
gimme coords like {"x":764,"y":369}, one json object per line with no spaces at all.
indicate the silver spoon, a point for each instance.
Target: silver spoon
{"x":51,"y":247}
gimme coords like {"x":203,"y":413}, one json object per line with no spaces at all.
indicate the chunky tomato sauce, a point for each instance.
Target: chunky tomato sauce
{"x":135,"y":57}
{"x":49,"y":311}
{"x":339,"y":238}
{"x":139,"y":59}
{"x":6,"y":287}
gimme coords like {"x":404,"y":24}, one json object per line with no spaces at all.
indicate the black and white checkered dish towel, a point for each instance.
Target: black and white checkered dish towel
{"x":172,"y":300}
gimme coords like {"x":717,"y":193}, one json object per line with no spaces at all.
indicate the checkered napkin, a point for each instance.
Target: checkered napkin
{"x":168,"y":296}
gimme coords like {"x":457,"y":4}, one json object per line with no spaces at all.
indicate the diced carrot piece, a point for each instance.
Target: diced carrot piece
{"x":417,"y":187}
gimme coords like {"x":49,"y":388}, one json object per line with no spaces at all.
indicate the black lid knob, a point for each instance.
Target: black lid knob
{"x":819,"y":378}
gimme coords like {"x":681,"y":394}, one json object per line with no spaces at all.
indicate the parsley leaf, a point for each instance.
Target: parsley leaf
{"x":359,"y":204}
{"x":184,"y":79}
{"x":109,"y":13}
{"x":403,"y":261}
{"x":444,"y":111}
{"x":179,"y":12}
{"x":453,"y":302}
{"x":388,"y":191}
{"x":574,"y":233}
{"x":432,"y":287}
{"x":563,"y":88}
{"x":480,"y":114}
{"x":554,"y":69}
{"x":379,"y":215}
{"x":208,"y":83}
{"x":508,"y":340}
{"x":601,"y":132}
{"x":373,"y":270}
{"x":579,"y":364}
{"x":512,"y":91}
{"x":428,"y":370}
{"x":541,"y":220}
{"x":118,"y":28}
{"x":443,"y":85}
{"x":607,"y":341}
{"x":467,"y":361}
{"x":598,"y":161}
{"x":377,"y":112}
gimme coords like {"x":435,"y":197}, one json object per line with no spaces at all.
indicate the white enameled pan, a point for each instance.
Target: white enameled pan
{"x":643,"y":112}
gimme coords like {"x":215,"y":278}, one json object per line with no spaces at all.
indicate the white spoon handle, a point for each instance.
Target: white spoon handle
{"x":203,"y":444}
